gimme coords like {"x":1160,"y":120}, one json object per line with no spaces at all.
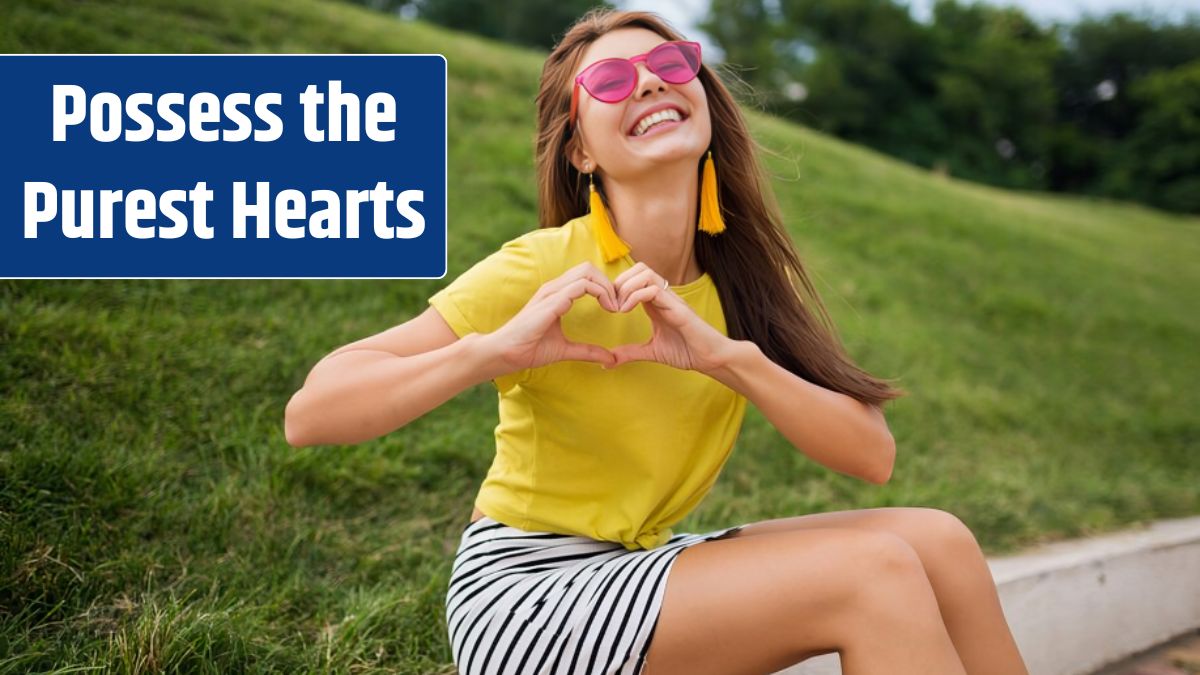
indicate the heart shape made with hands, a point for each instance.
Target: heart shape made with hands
{"x":679,"y":338}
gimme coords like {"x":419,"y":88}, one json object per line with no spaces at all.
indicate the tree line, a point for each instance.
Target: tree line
{"x":1108,"y":105}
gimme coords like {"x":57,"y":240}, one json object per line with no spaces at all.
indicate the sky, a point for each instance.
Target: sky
{"x":685,"y":14}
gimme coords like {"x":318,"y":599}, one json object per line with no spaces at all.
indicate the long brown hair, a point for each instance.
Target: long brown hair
{"x":753,"y":262}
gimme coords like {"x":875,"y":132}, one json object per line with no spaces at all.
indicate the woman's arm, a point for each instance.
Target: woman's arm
{"x":376,"y":385}
{"x":831,"y":428}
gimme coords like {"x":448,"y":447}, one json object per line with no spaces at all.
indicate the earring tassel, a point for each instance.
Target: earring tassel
{"x":611,"y":245}
{"x":710,"y":208}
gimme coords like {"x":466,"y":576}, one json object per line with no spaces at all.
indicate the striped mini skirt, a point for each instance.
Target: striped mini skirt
{"x":542,"y":603}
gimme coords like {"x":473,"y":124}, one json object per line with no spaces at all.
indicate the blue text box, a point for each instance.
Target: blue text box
{"x":128,"y":168}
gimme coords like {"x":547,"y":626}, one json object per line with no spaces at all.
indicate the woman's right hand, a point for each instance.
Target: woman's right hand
{"x":533,"y":337}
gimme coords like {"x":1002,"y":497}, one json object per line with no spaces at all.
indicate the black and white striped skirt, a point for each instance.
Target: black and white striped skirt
{"x":542,"y":603}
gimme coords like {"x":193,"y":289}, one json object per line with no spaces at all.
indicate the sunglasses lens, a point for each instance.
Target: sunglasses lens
{"x":611,"y":81}
{"x":675,"y":62}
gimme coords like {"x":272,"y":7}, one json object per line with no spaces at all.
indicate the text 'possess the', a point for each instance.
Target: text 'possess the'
{"x":142,"y":116}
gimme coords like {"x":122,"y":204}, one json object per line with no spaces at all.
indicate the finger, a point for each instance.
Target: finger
{"x":610,"y":292}
{"x":630,"y":284}
{"x":581,"y":351}
{"x":556,"y":284}
{"x":663,"y":299}
{"x":564,"y":298}
{"x":666,"y":307}
{"x":594,"y":273}
{"x":603,"y":295}
{"x":584,"y":270}
{"x":627,"y":353}
{"x":637,"y":268}
{"x":646,"y":294}
{"x":647,"y":277}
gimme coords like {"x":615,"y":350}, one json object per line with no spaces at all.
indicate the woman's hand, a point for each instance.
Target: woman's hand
{"x":533,"y":337}
{"x":681,"y":339}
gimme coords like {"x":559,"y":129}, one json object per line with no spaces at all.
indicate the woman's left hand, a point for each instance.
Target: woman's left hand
{"x":681,"y":339}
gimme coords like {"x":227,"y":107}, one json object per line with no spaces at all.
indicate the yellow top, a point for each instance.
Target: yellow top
{"x":615,"y":455}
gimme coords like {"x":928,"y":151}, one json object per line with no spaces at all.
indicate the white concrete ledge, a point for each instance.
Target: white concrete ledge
{"x":1075,"y":606}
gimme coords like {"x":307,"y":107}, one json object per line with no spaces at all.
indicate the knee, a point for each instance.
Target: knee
{"x":944,"y":533}
{"x":891,"y":557}
{"x":895,"y":577}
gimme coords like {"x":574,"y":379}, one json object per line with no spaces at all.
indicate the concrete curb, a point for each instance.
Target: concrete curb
{"x":1076,"y":606}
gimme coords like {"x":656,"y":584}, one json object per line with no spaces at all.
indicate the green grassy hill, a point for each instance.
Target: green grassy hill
{"x":152,"y":516}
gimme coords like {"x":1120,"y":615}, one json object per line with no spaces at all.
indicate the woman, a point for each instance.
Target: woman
{"x":618,"y":411}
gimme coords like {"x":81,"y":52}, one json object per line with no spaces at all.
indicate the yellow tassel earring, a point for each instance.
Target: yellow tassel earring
{"x":710,"y":208}
{"x":611,"y":245}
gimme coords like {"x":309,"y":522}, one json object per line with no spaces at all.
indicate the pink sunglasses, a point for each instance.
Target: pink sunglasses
{"x":613,"y":80}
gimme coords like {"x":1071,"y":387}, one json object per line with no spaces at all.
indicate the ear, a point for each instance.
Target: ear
{"x":579,"y":157}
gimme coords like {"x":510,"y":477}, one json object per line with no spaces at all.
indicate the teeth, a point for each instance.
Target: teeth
{"x":670,"y":114}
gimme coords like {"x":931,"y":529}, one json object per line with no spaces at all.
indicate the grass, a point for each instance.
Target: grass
{"x":153,"y":518}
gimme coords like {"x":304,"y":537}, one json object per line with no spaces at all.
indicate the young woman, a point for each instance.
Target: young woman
{"x":618,"y":410}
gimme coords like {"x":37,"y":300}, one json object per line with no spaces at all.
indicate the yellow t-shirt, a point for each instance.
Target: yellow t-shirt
{"x":615,"y":455}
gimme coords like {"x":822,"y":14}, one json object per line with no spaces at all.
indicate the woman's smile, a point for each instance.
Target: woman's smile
{"x":659,"y":128}
{"x":658,"y":119}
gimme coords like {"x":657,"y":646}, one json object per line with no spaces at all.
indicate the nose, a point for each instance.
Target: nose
{"x":648,"y":82}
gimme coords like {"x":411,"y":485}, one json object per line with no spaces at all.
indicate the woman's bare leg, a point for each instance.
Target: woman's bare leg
{"x":755,"y":605}
{"x":957,"y":571}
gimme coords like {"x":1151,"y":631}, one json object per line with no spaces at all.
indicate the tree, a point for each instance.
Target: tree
{"x":1159,"y":162}
{"x":756,"y":47}
{"x":1095,"y":75}
{"x":995,"y":92}
{"x":874,"y":63}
